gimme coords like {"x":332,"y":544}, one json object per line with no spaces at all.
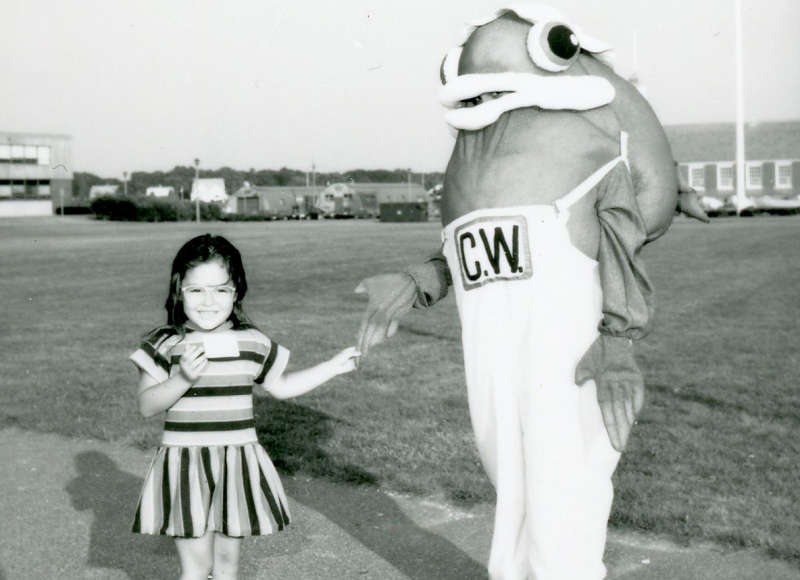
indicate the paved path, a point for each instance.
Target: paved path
{"x":66,"y":507}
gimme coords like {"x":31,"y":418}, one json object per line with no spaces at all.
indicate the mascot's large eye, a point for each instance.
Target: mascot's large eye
{"x":553,"y":46}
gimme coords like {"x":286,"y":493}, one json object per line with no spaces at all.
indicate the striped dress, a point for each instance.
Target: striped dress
{"x":210,"y":473}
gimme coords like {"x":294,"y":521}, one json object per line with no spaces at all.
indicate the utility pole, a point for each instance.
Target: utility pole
{"x":740,"y":152}
{"x":196,"y":189}
{"x":125,"y":183}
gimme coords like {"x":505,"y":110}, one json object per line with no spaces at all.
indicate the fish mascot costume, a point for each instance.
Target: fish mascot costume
{"x":560,"y":173}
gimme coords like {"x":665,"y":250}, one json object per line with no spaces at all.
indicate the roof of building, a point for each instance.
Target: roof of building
{"x":209,"y":189}
{"x":717,"y":142}
{"x":386,"y":187}
{"x":106,"y":189}
{"x":248,"y":189}
{"x":19,"y":134}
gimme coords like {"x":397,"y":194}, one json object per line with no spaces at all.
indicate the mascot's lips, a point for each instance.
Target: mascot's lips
{"x":519,"y":90}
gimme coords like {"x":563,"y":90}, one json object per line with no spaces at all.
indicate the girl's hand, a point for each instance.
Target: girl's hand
{"x":193,"y":361}
{"x":345,"y":361}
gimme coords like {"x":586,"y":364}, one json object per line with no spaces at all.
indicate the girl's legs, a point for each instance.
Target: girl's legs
{"x":196,"y":556}
{"x":226,"y":557}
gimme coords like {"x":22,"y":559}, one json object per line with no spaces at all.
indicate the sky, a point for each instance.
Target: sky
{"x":144,"y":85}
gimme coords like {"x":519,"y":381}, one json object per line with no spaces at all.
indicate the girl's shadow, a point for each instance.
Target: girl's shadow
{"x":294,"y":435}
{"x":111,"y":495}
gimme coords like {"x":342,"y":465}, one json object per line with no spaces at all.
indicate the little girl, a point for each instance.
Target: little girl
{"x":211,"y":483}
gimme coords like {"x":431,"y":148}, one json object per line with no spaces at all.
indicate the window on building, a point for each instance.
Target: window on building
{"x":754,"y":175}
{"x":43,"y":155}
{"x":17,"y":153}
{"x":24,"y":187}
{"x":22,"y":154}
{"x":697,"y":176}
{"x":725,"y":176}
{"x":783,"y":175}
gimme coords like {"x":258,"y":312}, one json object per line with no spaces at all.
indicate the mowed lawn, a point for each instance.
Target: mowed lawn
{"x":715,"y":455}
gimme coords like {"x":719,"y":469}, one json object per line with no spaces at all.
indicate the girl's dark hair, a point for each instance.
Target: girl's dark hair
{"x":196,"y":251}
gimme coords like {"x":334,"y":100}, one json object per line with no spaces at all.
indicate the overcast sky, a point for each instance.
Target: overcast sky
{"x":147,"y":85}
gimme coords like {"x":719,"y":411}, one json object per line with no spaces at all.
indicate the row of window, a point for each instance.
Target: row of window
{"x":25,"y":154}
{"x":754,"y":175}
{"x":16,"y":187}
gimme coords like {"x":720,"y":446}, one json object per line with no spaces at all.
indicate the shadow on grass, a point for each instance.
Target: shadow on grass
{"x":294,"y":437}
{"x":111,"y":494}
{"x":429,"y":334}
{"x":728,"y":407}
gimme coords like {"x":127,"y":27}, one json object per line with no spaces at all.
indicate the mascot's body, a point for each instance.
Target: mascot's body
{"x":544,"y":212}
{"x":530,"y":303}
{"x":524,"y":200}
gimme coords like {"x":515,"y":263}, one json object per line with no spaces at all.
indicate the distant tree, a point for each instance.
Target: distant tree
{"x":83,"y":182}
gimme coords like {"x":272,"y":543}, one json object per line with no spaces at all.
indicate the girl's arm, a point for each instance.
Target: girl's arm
{"x":155,"y":396}
{"x":300,"y":382}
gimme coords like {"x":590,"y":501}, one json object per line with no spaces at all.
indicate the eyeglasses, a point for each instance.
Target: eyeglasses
{"x":223,"y":293}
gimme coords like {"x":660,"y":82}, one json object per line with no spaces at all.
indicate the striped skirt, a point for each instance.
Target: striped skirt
{"x":230,"y":489}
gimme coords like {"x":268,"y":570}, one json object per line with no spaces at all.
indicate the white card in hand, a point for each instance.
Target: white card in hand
{"x":220,"y":345}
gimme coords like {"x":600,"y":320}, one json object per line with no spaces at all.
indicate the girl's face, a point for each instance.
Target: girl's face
{"x":208,"y":294}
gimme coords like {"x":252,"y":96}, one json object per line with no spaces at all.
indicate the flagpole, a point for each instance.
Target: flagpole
{"x":740,"y":153}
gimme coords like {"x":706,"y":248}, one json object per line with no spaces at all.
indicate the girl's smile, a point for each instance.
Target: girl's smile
{"x":208,"y":295}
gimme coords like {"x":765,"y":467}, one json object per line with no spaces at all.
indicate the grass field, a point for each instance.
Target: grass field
{"x":715,"y":455}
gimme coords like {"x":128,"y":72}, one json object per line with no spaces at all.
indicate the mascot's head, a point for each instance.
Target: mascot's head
{"x":520,"y":56}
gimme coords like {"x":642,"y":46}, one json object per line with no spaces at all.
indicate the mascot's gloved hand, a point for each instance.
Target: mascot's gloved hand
{"x":689,"y":201}
{"x":689,"y":204}
{"x":390,"y":297}
{"x":620,"y":385}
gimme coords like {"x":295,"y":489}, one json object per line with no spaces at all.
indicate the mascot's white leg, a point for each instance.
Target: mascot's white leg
{"x":568,"y":457}
{"x":494,"y":411}
{"x":601,"y":461}
{"x":569,"y":463}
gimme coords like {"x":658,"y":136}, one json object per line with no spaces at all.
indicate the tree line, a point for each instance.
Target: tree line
{"x":180,"y":177}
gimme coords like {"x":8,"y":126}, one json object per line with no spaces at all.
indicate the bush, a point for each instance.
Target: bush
{"x":149,"y":209}
{"x":255,"y":217}
{"x":114,"y":208}
{"x":245,"y":217}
